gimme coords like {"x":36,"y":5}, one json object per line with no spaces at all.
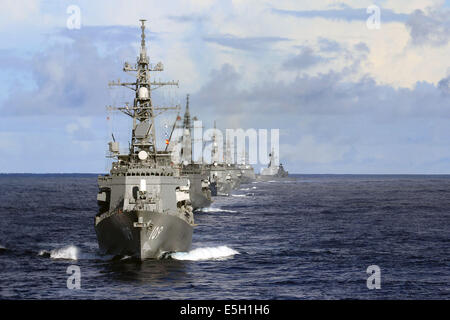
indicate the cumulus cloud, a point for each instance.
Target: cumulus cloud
{"x":329,"y":45}
{"x":444,"y":84}
{"x":339,"y":97}
{"x":429,"y":27}
{"x":325,"y":93}
{"x":68,"y":79}
{"x":305,"y":59}
{"x":330,"y":123}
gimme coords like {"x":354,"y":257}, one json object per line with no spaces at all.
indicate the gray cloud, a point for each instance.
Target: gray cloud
{"x":362,"y":47}
{"x":444,"y":84}
{"x":432,"y":27}
{"x":343,"y":12}
{"x":352,"y":126}
{"x":191,"y":18}
{"x":305,"y":59}
{"x":243,"y":43}
{"x":69,"y":79}
{"x":330,"y":94}
{"x":329,"y":45}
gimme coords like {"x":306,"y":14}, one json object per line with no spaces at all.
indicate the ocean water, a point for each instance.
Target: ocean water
{"x":312,"y":238}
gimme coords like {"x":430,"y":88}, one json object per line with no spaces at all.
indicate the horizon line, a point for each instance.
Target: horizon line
{"x":103,"y":173}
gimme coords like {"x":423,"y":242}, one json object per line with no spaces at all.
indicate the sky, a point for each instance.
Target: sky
{"x":347,"y":97}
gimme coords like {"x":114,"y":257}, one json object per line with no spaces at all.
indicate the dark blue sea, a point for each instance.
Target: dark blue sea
{"x":312,"y":238}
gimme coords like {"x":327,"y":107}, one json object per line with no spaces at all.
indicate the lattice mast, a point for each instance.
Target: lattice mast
{"x":143,"y":137}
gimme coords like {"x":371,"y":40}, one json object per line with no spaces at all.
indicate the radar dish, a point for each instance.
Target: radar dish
{"x":142,"y":155}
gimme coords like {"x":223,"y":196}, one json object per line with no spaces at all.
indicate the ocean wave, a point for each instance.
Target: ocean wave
{"x":239,"y":195}
{"x":67,"y":253}
{"x":208,"y":253}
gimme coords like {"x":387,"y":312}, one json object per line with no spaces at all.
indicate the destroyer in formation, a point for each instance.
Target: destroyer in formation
{"x":197,"y":174}
{"x":247,"y":171}
{"x":144,"y":204}
{"x":274,"y":171}
{"x":232,"y":169}
{"x":219,"y":174}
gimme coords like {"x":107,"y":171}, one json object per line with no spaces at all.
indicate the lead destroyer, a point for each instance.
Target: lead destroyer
{"x":144,"y":205}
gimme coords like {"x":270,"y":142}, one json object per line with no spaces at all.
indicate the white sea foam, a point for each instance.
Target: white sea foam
{"x":208,"y":253}
{"x":211,"y":209}
{"x":244,"y":189}
{"x":239,"y":195}
{"x":68,"y":253}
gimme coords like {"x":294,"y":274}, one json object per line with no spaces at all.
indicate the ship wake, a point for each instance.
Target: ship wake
{"x":66,"y":253}
{"x":212,"y":209}
{"x":207,"y":253}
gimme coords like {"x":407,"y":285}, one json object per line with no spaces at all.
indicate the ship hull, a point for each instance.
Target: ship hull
{"x":224,"y":188}
{"x":200,"y":198}
{"x":213,"y":188}
{"x":248,"y":176}
{"x":235,"y":183}
{"x":274,"y":178}
{"x":143,"y":234}
{"x":247,"y":180}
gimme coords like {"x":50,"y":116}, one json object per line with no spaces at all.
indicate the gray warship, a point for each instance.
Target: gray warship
{"x":247,"y":171}
{"x":220,"y":176}
{"x":145,"y":209}
{"x":273,"y":171}
{"x":197,"y":174}
{"x":232,"y":169}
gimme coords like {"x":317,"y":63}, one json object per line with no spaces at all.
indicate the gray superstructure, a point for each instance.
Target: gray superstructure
{"x":144,"y":204}
{"x":232,"y":168}
{"x":220,"y":176}
{"x":197,"y":174}
{"x":247,"y":171}
{"x":274,"y":170}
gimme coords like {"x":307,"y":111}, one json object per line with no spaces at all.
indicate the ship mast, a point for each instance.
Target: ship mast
{"x":214,"y":150}
{"x":143,"y":136}
{"x":187,"y":116}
